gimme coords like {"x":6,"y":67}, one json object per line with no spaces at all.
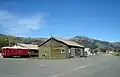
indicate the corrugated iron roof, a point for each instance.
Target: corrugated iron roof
{"x":29,"y":46}
{"x":65,"y":41}
{"x":68,"y":42}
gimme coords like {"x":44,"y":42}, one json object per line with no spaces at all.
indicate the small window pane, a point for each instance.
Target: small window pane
{"x":62,"y":51}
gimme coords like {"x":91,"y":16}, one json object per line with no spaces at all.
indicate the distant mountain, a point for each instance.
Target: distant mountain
{"x":85,"y":41}
{"x":94,"y":43}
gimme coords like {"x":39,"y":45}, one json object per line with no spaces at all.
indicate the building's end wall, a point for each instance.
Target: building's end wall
{"x":50,"y":46}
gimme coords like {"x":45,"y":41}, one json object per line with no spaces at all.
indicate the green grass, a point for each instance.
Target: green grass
{"x":116,"y":54}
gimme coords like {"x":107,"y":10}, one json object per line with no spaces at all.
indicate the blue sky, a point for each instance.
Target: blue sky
{"x":98,"y":19}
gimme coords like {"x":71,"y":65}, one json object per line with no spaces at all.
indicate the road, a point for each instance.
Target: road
{"x":95,"y":66}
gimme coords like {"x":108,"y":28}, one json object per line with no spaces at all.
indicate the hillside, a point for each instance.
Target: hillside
{"x":11,"y":40}
{"x":87,"y":42}
{"x":94,"y":43}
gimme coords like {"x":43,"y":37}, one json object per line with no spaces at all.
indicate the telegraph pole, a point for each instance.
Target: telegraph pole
{"x":51,"y":45}
{"x":9,"y":41}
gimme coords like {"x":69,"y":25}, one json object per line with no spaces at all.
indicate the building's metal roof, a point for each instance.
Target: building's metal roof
{"x":29,"y":46}
{"x":65,"y":41}
{"x":68,"y":42}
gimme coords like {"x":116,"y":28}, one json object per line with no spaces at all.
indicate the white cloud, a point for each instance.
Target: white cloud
{"x":16,"y":25}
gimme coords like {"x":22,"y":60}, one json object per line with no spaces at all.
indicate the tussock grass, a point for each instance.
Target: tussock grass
{"x":116,"y":54}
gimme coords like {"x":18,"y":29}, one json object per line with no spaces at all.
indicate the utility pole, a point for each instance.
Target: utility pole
{"x":51,"y":45}
{"x":9,"y":41}
{"x":51,"y":36}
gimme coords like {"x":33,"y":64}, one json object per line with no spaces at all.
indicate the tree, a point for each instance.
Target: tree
{"x":3,"y":41}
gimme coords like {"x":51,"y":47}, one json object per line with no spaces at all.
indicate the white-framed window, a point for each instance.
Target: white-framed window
{"x":62,"y":50}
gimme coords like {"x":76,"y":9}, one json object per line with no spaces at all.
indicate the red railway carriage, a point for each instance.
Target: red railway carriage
{"x":15,"y":51}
